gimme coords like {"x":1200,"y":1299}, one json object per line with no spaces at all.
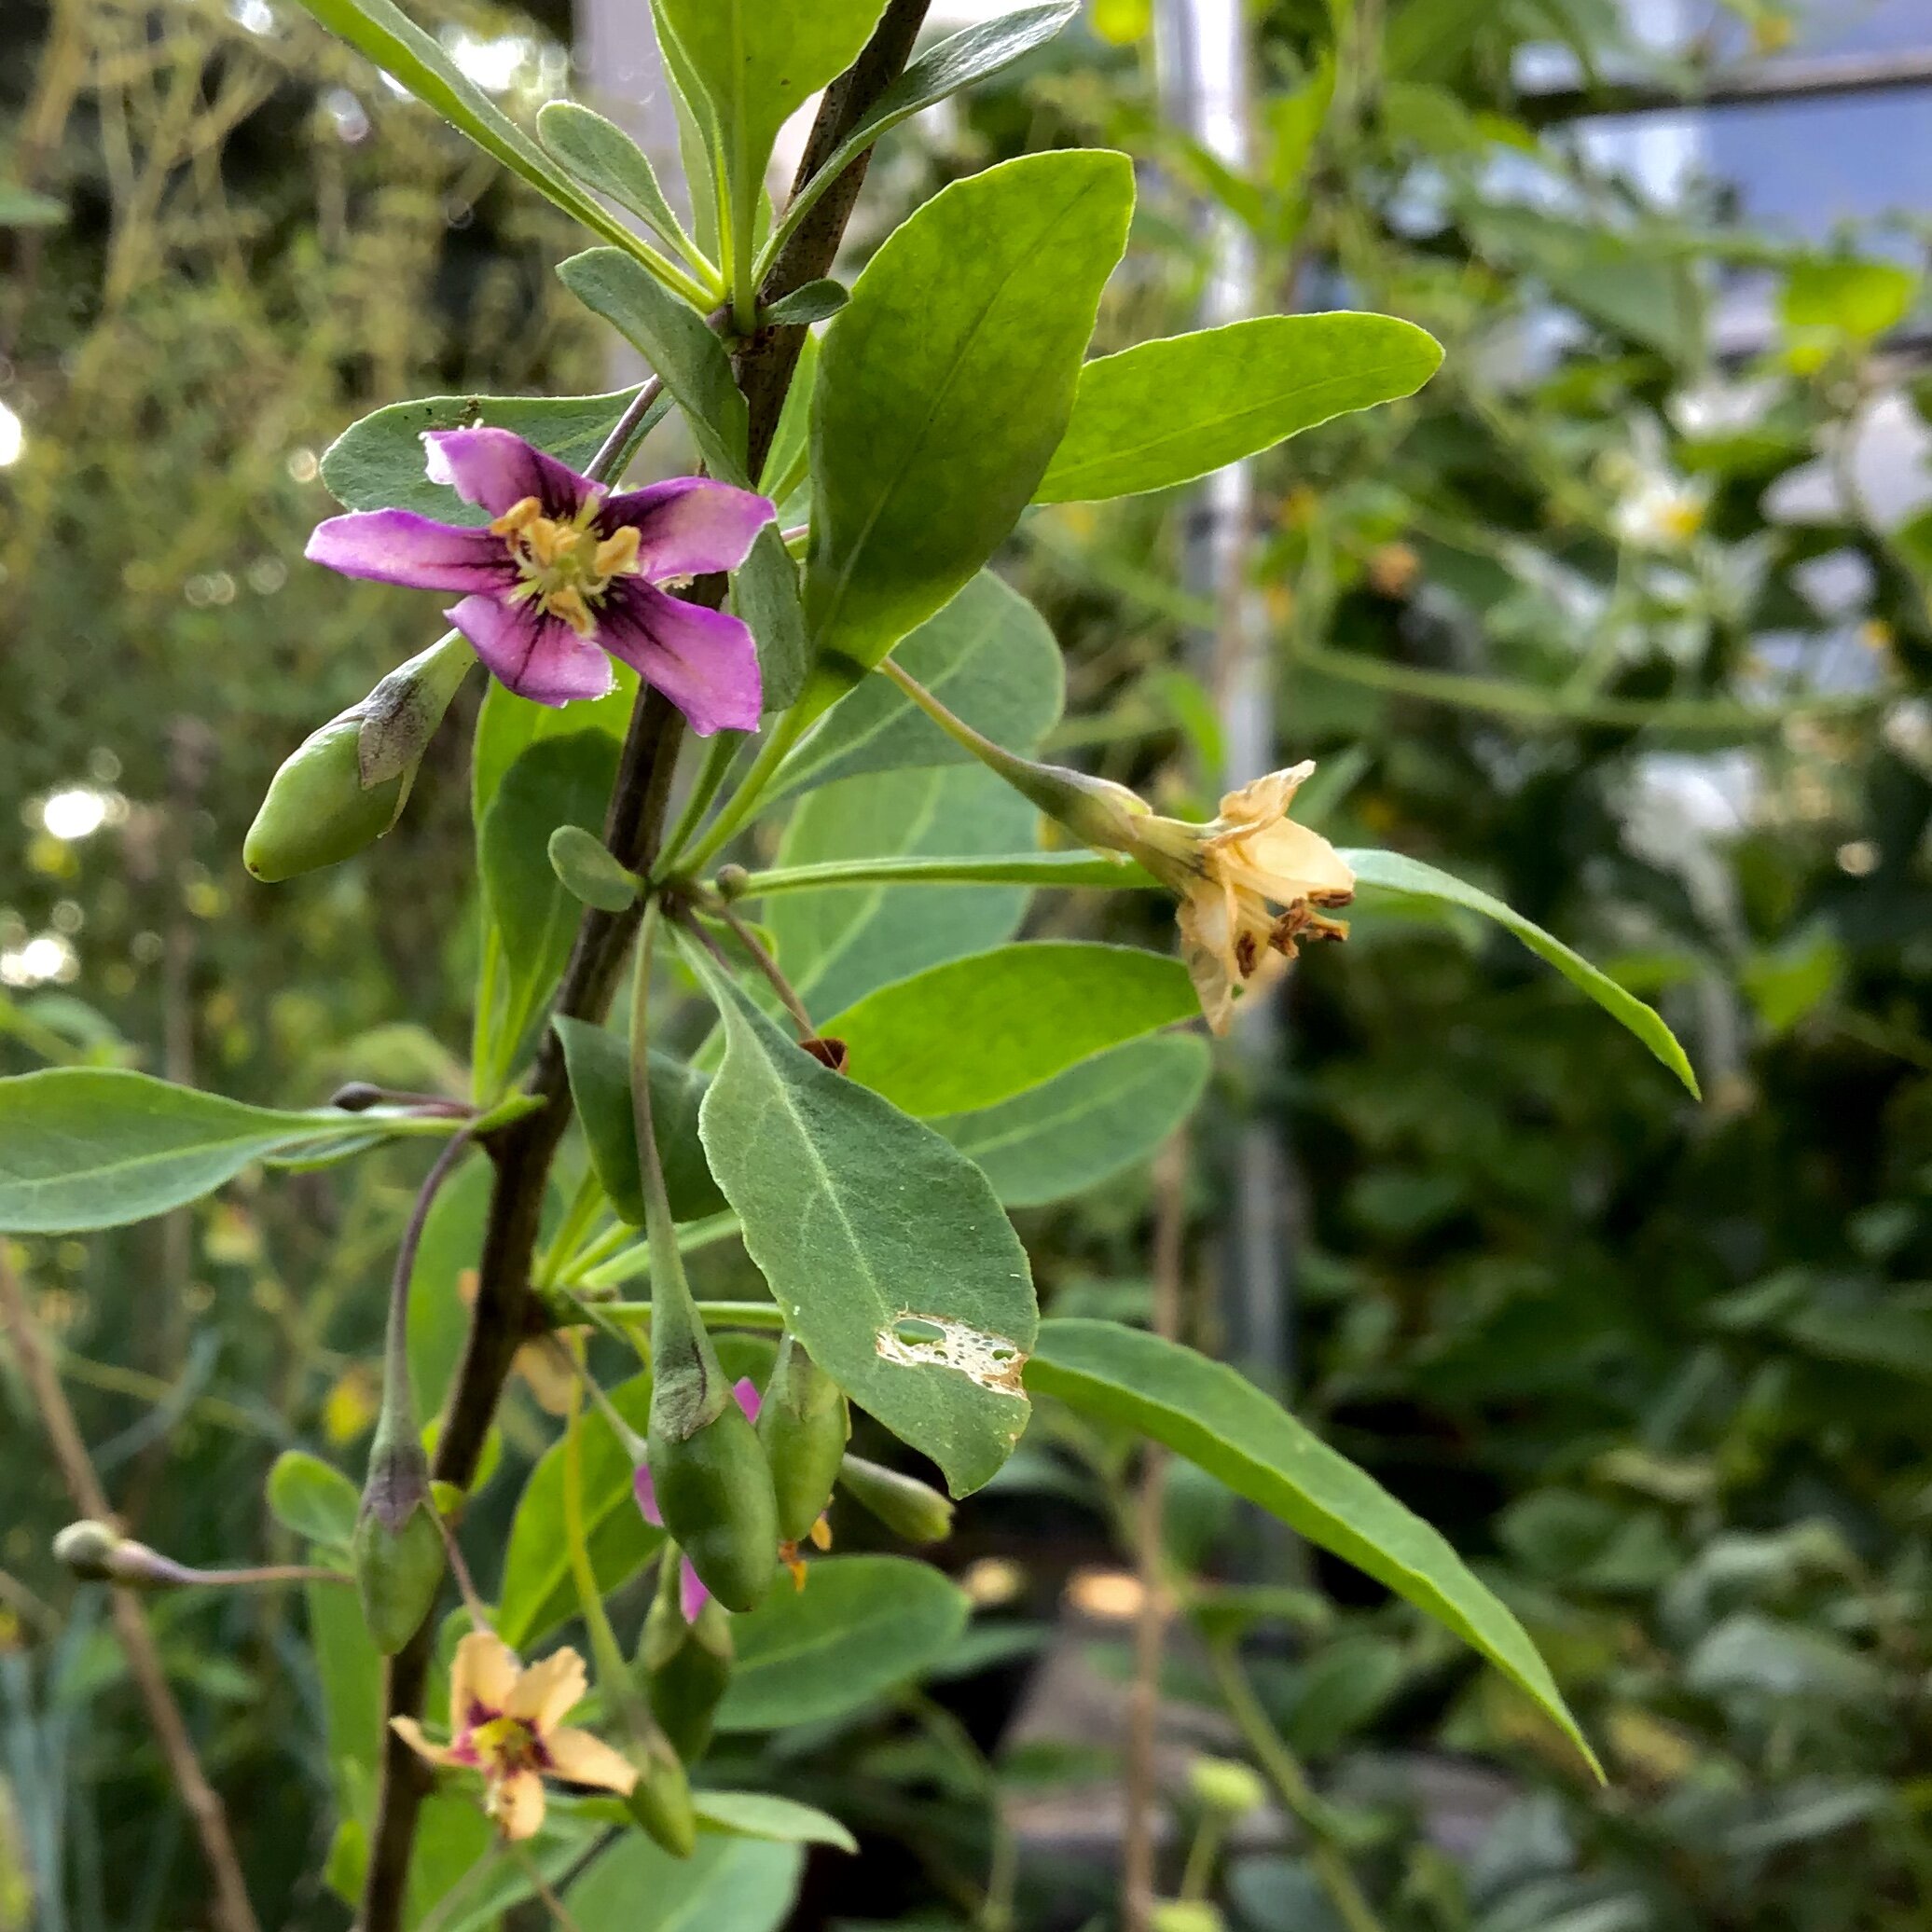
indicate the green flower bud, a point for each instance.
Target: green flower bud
{"x":317,"y":813}
{"x":346,"y":783}
{"x":1228,"y":1786}
{"x":803,"y":1424}
{"x":907,"y":1506}
{"x":714,"y":1491}
{"x":661,"y":1801}
{"x":89,"y":1549}
{"x":588,"y":872}
{"x":398,"y":1546}
{"x":686,"y":1667}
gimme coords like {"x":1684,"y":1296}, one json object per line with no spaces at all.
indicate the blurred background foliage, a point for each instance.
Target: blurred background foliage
{"x":1624,"y":616}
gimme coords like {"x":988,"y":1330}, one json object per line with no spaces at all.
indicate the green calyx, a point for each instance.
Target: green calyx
{"x":803,"y":1424}
{"x":661,"y":1801}
{"x":907,"y":1506}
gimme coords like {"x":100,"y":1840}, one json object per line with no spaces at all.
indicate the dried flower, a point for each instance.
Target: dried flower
{"x":504,"y":1721}
{"x":565,"y":576}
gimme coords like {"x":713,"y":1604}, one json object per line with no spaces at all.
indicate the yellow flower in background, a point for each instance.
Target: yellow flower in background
{"x":506,"y":1721}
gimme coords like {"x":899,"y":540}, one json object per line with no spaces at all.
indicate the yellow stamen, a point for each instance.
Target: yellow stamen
{"x":565,"y":566}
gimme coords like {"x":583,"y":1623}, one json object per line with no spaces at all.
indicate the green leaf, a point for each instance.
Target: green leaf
{"x":727,"y":1884}
{"x":313,"y":1498}
{"x":538,"y":1593}
{"x":955,"y":63}
{"x":765,"y":593}
{"x":784,"y":460}
{"x":416,"y":61}
{"x":677,"y":342}
{"x":1391,"y":871}
{"x":974,"y":1031}
{"x":922,"y":1319}
{"x":1205,"y":1411}
{"x":598,"y":1064}
{"x":763,"y":1815}
{"x":811,"y":301}
{"x":861,"y":1625}
{"x":838,"y":942}
{"x":21,"y":208}
{"x":1846,"y":295}
{"x":349,"y":1670}
{"x":589,"y":873}
{"x":439,"y":1318}
{"x":943,"y":387}
{"x":758,"y":62}
{"x":608,"y":162}
{"x":378,"y":463}
{"x":1085,"y":1124}
{"x":556,"y":781}
{"x":93,"y":1147}
{"x":988,"y":656}
{"x":507,"y":725}
{"x":1168,"y":411}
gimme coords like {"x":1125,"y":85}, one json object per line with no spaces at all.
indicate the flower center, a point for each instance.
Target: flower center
{"x":566,"y":567}
{"x":506,"y":1744}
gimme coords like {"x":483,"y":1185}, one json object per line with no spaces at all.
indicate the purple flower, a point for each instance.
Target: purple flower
{"x":692,"y":1594}
{"x":565,"y":572}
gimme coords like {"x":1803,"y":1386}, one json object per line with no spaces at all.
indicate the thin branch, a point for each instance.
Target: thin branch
{"x":229,"y":1905}
{"x":1821,"y":77}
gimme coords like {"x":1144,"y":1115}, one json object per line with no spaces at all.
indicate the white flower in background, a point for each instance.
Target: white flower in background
{"x":1656,"y":507}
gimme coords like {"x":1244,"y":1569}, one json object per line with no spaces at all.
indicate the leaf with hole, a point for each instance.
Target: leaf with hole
{"x":1168,"y":411}
{"x":975,"y":1031}
{"x":884,"y":1246}
{"x":862,"y":1626}
{"x":1205,"y":1411}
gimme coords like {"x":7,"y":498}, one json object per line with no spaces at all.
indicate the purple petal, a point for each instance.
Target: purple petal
{"x":746,"y":1391}
{"x":398,"y":547}
{"x":692,"y":1594}
{"x":538,"y":657}
{"x":689,"y":526}
{"x":704,"y":661}
{"x":496,"y":469}
{"x":645,"y":1490}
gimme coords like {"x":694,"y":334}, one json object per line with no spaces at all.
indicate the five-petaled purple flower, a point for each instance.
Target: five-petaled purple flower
{"x":566,"y":573}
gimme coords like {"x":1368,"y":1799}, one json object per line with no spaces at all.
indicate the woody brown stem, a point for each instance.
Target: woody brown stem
{"x":523,"y":1152}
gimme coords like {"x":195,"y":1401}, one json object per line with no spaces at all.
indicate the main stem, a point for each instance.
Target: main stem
{"x":523,"y":1152}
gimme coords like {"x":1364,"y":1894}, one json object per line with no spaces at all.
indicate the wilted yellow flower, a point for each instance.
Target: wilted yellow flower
{"x":1252,"y":884}
{"x":504,"y":1721}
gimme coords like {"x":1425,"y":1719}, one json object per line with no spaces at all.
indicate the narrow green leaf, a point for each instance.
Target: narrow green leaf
{"x":609,"y":162}
{"x":981,"y":50}
{"x":727,"y":1884}
{"x":988,"y":656}
{"x":416,"y":61}
{"x":765,"y":593}
{"x":349,"y":1671}
{"x":376,"y":463}
{"x":838,"y":944}
{"x":556,"y":781}
{"x":677,"y":342}
{"x":922,"y":1318}
{"x":313,"y":1498}
{"x":763,"y":1815}
{"x":1391,"y":871}
{"x":860,"y":1626}
{"x":507,"y":725}
{"x":599,"y":1065}
{"x":439,"y":1318}
{"x":1168,"y":411}
{"x":758,"y":62}
{"x":90,"y":1146}
{"x":974,"y":1031}
{"x":943,"y":387}
{"x":1205,"y":1411}
{"x":811,"y":301}
{"x":21,"y":208}
{"x":1085,"y":1124}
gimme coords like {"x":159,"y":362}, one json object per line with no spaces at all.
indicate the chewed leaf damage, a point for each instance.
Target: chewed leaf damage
{"x":914,"y":1341}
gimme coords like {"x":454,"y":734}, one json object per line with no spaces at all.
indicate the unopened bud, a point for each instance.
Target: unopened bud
{"x":686,"y":1667}
{"x":731,"y":881}
{"x":661,"y":1801}
{"x":1228,"y":1786}
{"x":398,"y":1546}
{"x":803,"y":1424}
{"x":713,"y":1488}
{"x":907,"y":1506}
{"x":358,"y":1097}
{"x":90,"y":1549}
{"x":588,"y":872}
